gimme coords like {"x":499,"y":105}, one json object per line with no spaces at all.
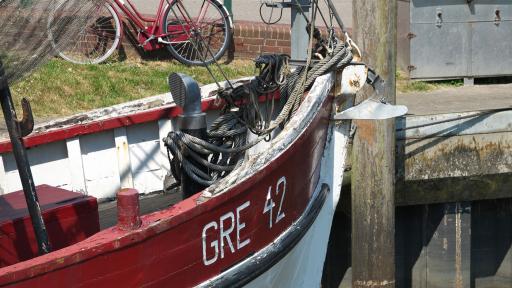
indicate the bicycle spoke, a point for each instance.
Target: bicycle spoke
{"x":97,"y":41}
{"x":203,"y":12}
{"x":206,"y":27}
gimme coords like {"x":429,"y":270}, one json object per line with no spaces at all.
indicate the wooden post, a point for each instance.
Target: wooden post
{"x":373,"y":168}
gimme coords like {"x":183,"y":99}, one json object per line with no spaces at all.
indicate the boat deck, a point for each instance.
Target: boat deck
{"x":148,"y":204}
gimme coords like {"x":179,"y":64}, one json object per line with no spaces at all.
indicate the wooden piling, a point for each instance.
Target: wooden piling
{"x":373,"y":169}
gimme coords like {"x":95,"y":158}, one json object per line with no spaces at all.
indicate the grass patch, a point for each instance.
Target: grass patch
{"x":403,"y":84}
{"x":60,"y":88}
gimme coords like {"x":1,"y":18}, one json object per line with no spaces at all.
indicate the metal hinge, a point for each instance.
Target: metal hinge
{"x":497,"y":17}
{"x":411,"y":68}
{"x":410,"y":35}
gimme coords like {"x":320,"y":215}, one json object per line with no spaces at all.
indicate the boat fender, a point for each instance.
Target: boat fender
{"x":187,"y":95}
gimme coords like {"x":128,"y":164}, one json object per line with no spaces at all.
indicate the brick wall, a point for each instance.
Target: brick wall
{"x":252,"y":39}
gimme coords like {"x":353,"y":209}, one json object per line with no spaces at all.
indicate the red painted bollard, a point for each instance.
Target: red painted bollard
{"x":128,"y":211}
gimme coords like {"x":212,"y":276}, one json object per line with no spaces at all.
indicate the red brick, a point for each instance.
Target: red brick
{"x":270,"y":42}
{"x":252,"y":29}
{"x":245,"y":31}
{"x":273,"y":33}
{"x":268,"y":33}
{"x":259,"y":32}
{"x":285,"y":43}
{"x":272,"y":49}
{"x":254,"y":41}
{"x":254,"y":48}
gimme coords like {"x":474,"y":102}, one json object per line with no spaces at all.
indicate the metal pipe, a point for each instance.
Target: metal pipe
{"x":20,"y":155}
{"x":187,"y":95}
{"x":229,"y":6}
{"x":299,"y":24}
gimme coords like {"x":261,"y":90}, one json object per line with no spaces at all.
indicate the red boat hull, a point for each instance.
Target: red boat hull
{"x":197,"y":239}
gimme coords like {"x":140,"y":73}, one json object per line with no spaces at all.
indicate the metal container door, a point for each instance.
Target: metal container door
{"x":439,"y":51}
{"x":492,"y":48}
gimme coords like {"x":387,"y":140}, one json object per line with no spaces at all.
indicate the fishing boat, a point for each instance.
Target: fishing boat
{"x":252,"y":211}
{"x":270,"y":217}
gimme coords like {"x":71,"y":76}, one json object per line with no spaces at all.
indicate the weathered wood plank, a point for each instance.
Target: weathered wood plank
{"x":373,"y":172}
{"x":456,"y":167}
{"x":454,"y":189}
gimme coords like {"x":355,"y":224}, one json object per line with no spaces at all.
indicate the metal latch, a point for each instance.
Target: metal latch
{"x":439,"y":17}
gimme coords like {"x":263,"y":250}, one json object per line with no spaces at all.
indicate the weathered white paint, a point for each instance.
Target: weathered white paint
{"x":146,"y":157}
{"x":76,"y":165}
{"x":49,"y":164}
{"x":100,"y":164}
{"x":353,"y":78}
{"x":123,"y":157}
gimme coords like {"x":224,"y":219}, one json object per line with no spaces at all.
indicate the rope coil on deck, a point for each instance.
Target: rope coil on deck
{"x":227,"y":135}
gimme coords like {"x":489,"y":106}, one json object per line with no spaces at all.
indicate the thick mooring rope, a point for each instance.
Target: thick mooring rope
{"x":224,"y":150}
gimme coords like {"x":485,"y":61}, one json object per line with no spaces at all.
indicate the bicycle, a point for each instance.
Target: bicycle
{"x":193,"y":34}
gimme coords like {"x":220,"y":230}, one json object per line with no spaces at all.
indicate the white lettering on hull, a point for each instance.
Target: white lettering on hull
{"x":218,"y":236}
{"x":221,"y":232}
{"x":270,"y":204}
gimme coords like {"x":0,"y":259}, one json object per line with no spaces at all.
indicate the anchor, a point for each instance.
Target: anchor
{"x":17,"y":130}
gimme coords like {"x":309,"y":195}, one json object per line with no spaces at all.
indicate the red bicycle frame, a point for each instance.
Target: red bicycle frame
{"x":150,"y":37}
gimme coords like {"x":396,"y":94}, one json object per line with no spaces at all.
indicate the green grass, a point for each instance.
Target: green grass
{"x":60,"y":88}
{"x":405,"y":85}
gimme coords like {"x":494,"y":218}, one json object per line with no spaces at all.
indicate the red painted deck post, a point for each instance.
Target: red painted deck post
{"x":128,"y":211}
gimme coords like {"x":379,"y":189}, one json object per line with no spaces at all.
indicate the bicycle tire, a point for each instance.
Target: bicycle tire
{"x":187,"y":54}
{"x":100,"y":38}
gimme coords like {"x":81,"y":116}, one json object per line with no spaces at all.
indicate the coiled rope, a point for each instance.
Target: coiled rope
{"x":224,"y":150}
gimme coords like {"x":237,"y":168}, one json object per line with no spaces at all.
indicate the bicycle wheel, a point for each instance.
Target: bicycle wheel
{"x":198,"y":33}
{"x":97,"y":41}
